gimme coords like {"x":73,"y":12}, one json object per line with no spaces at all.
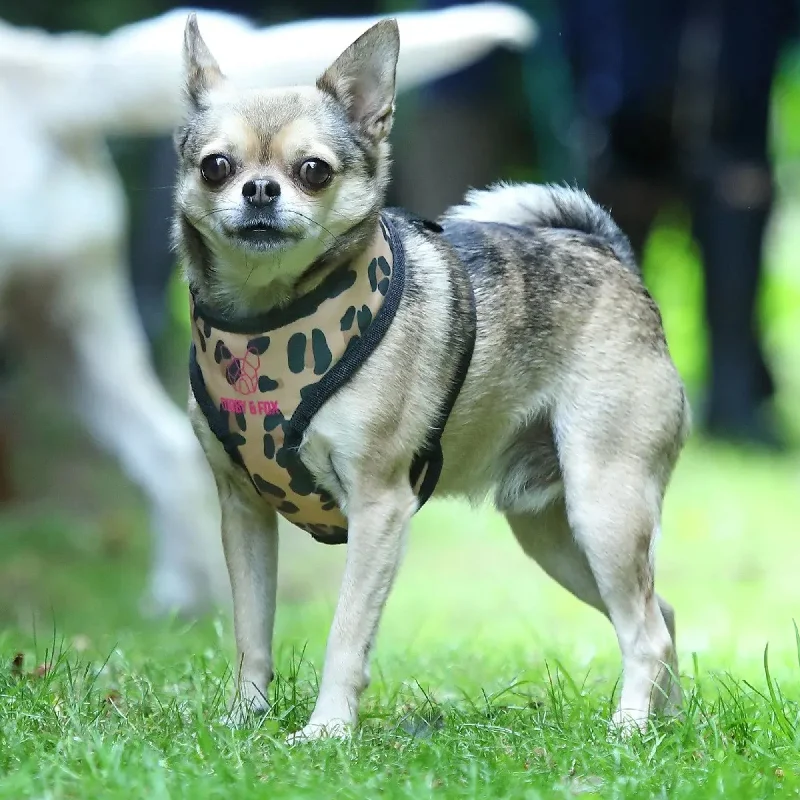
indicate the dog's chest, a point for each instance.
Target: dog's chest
{"x":276,"y":390}
{"x":261,"y":382}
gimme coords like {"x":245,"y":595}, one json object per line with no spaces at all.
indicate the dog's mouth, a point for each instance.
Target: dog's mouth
{"x":262,"y":235}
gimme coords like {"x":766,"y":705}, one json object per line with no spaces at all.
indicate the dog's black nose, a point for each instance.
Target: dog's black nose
{"x":261,"y":192}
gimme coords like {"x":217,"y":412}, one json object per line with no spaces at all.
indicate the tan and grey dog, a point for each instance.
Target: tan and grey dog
{"x":521,"y":322}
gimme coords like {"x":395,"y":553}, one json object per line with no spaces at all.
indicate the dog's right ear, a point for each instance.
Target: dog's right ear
{"x":202,"y":71}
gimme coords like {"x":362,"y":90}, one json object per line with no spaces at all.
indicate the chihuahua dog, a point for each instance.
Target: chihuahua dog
{"x":349,"y":361}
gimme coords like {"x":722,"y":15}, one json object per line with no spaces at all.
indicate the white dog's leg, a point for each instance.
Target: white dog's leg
{"x":125,"y":407}
{"x":376,"y":537}
{"x":250,"y":539}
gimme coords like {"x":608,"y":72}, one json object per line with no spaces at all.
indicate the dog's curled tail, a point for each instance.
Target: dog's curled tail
{"x":545,"y":206}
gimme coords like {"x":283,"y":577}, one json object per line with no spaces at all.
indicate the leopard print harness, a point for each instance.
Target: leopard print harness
{"x":260,"y":381}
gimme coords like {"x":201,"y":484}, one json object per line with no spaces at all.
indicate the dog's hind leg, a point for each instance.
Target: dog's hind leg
{"x":547,"y":538}
{"x":125,"y":407}
{"x":615,"y":469}
{"x":611,"y":571}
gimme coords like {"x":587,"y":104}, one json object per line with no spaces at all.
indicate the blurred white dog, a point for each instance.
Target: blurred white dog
{"x":63,"y":225}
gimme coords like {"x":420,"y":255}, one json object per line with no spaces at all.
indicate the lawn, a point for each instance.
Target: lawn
{"x":488,"y":680}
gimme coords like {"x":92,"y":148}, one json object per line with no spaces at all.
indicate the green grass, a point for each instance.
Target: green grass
{"x":489,"y":681}
{"x":103,"y":729}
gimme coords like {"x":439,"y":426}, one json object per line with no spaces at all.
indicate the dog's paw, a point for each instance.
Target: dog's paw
{"x":243,"y":714}
{"x":626,"y":722}
{"x":673,"y":707}
{"x":314,"y":731}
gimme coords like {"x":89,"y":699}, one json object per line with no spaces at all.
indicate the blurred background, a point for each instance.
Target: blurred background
{"x":683,"y":117}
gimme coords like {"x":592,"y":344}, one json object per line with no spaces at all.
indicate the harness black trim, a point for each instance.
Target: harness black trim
{"x":217,"y":419}
{"x":278,"y":317}
{"x":432,"y":454}
{"x":354,"y":356}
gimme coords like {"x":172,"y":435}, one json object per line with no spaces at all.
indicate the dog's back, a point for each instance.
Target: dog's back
{"x":537,"y":206}
{"x":549,"y":261}
{"x":561,"y":311}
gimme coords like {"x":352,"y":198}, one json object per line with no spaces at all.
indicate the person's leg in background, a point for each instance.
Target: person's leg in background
{"x":634,"y":180}
{"x":731,"y":212}
{"x":620,"y":55}
{"x":732,"y":198}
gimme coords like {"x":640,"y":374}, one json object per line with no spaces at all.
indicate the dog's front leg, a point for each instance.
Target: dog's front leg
{"x":377,"y":527}
{"x":250,"y":541}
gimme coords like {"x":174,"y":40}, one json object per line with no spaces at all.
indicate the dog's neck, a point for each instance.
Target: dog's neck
{"x":233,"y":297}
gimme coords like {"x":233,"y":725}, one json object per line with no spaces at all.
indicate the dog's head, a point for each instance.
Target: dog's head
{"x":271,"y":181}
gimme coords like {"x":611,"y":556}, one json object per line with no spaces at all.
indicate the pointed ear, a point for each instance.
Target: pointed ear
{"x":202,"y":70}
{"x":362,"y":79}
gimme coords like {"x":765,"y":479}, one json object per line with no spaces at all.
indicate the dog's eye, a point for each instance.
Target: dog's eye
{"x":215,"y":169}
{"x":315,"y":173}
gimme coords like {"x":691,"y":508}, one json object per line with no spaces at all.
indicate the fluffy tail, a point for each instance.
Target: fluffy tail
{"x":546,"y":206}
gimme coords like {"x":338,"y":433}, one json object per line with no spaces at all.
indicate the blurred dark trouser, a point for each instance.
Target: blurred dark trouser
{"x":151,"y":261}
{"x":732,"y":194}
{"x":681,"y":89}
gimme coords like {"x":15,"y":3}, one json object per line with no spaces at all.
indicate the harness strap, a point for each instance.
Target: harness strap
{"x":432,"y":454}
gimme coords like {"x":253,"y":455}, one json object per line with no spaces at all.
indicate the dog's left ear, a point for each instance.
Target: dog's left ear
{"x":362,"y":79}
{"x":202,"y":71}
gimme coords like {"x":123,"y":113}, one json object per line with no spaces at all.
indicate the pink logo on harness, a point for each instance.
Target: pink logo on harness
{"x":262,"y":408}
{"x":242,"y":373}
